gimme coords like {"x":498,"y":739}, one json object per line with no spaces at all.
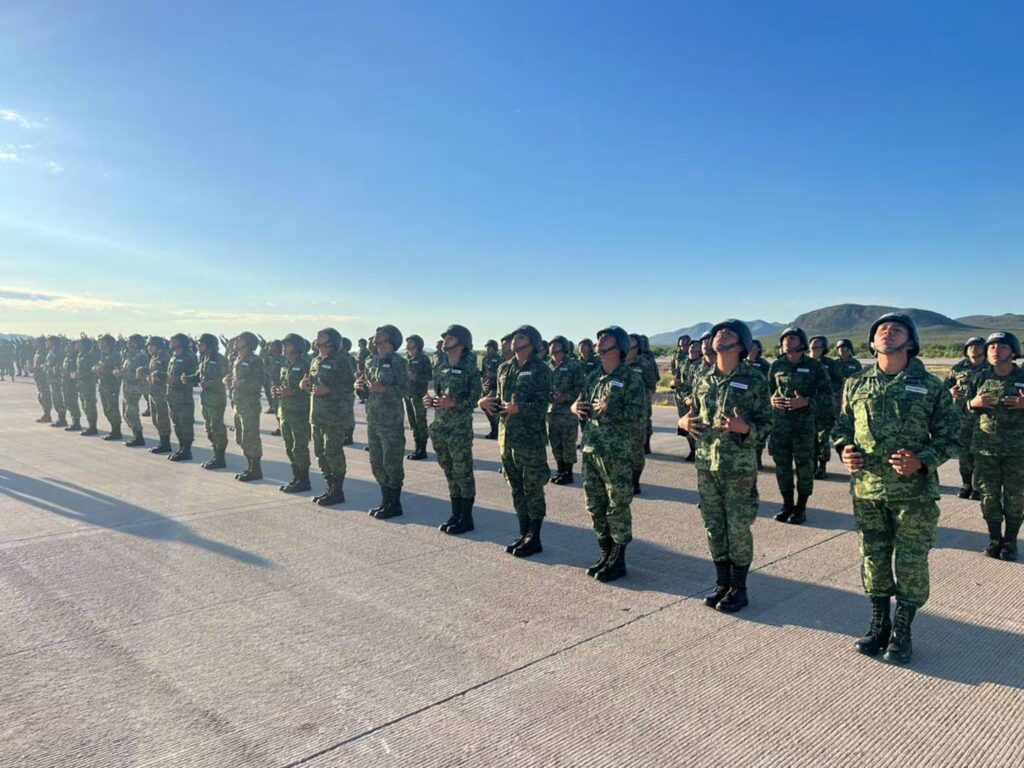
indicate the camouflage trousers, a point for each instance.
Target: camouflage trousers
{"x":1000,"y":480}
{"x":563,"y":432}
{"x":70,"y":390}
{"x":417,"y":415}
{"x":183,"y":416}
{"x":130,"y":409}
{"x":728,"y":505}
{"x":792,"y":445}
{"x":452,"y":436}
{"x":348,"y":418}
{"x":637,"y":438}
{"x":526,"y":472}
{"x":328,"y":445}
{"x":386,"y":436}
{"x":608,"y":487}
{"x":247,"y":427}
{"x":108,"y":400}
{"x":296,"y":433}
{"x":900,"y":531}
{"x":57,"y":398}
{"x":158,"y":413}
{"x":493,"y":419}
{"x":87,"y":397}
{"x":213,"y":420}
{"x":967,"y":457}
{"x":823,"y":438}
{"x":44,"y":397}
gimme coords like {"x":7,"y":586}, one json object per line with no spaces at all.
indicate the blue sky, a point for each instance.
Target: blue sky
{"x":218,"y":166}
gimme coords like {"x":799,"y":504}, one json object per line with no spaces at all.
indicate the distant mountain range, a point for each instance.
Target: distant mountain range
{"x":854,"y":321}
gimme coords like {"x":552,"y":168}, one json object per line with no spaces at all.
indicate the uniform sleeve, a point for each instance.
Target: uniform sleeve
{"x":843,"y":430}
{"x":537,"y":406}
{"x":760,"y":416}
{"x":944,"y":428}
{"x":822,"y":394}
{"x":631,"y":406}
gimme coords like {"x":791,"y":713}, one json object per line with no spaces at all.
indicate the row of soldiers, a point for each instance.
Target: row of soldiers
{"x":16,"y":355}
{"x":896,"y":424}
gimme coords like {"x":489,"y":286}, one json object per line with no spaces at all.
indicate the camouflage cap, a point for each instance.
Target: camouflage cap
{"x":1005,"y":337}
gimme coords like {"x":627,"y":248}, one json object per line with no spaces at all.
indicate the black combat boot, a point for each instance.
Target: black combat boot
{"x":966,"y":485}
{"x":393,"y":507}
{"x":465,"y":521}
{"x":736,"y":597}
{"x":1009,"y":550}
{"x":164,"y":446}
{"x":787,"y":507}
{"x":524,"y":531}
{"x":217,"y":462}
{"x":531,"y":544}
{"x":493,"y":434}
{"x":300,"y":481}
{"x":605,"y":543}
{"x":184,"y":453}
{"x":327,"y":492}
{"x":557,"y":474}
{"x":637,"y":491}
{"x":877,"y":636}
{"x":567,"y":478}
{"x":420,"y":452}
{"x":799,"y":516}
{"x":454,"y":518}
{"x":723,"y":580}
{"x":91,"y":430}
{"x":137,"y":440}
{"x":60,"y":422}
{"x":995,"y":539}
{"x":647,"y":446}
{"x":383,"y":502}
{"x":254,"y":472}
{"x":820,"y":472}
{"x":44,"y":419}
{"x":975,"y":495}
{"x":334,"y":495}
{"x":900,"y":648}
{"x":615,"y":566}
{"x":692,"y":455}
{"x":146,"y":412}
{"x":114,"y":434}
{"x":295,"y":474}
{"x":76,"y":426}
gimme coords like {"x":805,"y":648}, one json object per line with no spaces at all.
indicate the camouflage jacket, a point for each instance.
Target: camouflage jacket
{"x":762,"y":365}
{"x":158,"y":374}
{"x":566,"y":379}
{"x":678,"y":361}
{"x":393,"y":372}
{"x":835,"y":379}
{"x":882,"y":414}
{"x":716,"y":395}
{"x":1000,"y":430}
{"x":39,"y":369}
{"x":530,"y":385}
{"x":961,"y":375}
{"x":489,"y":373}
{"x":55,"y":363}
{"x":211,"y":372}
{"x":84,"y":364}
{"x":461,"y":382}
{"x":807,"y":377}
{"x":420,"y":375}
{"x":848,"y":368}
{"x":335,"y":373}
{"x":181,"y":364}
{"x":247,"y":379}
{"x":590,"y":365}
{"x":109,"y":363}
{"x":610,"y":436}
{"x":650,"y":372}
{"x":289,"y":375}
{"x":133,"y":360}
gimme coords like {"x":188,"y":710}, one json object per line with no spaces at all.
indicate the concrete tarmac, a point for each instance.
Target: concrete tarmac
{"x":156,"y":614}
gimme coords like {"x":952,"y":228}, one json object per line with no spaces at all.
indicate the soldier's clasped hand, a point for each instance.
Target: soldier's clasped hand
{"x":734,"y":423}
{"x":905,"y":463}
{"x":852,"y":458}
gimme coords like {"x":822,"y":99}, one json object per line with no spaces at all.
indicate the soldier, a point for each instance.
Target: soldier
{"x":641,"y":446}
{"x":521,"y":401}
{"x":348,"y":401}
{"x":489,"y":376}
{"x":55,"y":355}
{"x":798,"y":384}
{"x":847,"y":363}
{"x":440,"y":358}
{"x":958,"y":383}
{"x":85,"y":380}
{"x":589,"y":362}
{"x":209,"y":377}
{"x":707,"y":352}
{"x":896,"y":426}
{"x":826,"y":410}
{"x":563,"y":425}
{"x":110,"y":385}
{"x":132,"y":375}
{"x":271,"y":357}
{"x":69,"y":386}
{"x":383,"y":383}
{"x":182,"y":367}
{"x":997,"y":396}
{"x":420,"y":375}
{"x":329,"y":385}
{"x":293,"y":411}
{"x":42,"y":380}
{"x":756,"y":359}
{"x":611,"y":404}
{"x":457,"y":388}
{"x":730,"y":407}
{"x":651,"y":377}
{"x":361,"y":357}
{"x":680,"y":357}
{"x":157,"y":367}
{"x":683,"y":392}
{"x":246,"y":386}
{"x":6,"y":358}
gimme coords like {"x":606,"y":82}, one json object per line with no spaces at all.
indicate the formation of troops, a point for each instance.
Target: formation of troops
{"x":892,"y":425}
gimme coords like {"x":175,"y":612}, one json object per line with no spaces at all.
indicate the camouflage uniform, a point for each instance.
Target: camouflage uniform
{"x":385,"y":426}
{"x":158,"y":395}
{"x":896,"y":515}
{"x":131,"y":387}
{"x":327,"y":412}
{"x":563,"y":425}
{"x":247,"y":379}
{"x":41,"y":377}
{"x":181,"y":404}
{"x":521,"y":437}
{"x":293,"y":413}
{"x":110,"y":390}
{"x":55,"y":378}
{"x":639,"y":367}
{"x":213,"y":399}
{"x":420,"y":375}
{"x":848,"y":368}
{"x":961,"y":375}
{"x":452,"y":429}
{"x":489,"y":384}
{"x":826,"y":410}
{"x":762,"y":434}
{"x":85,"y":380}
{"x":793,"y":432}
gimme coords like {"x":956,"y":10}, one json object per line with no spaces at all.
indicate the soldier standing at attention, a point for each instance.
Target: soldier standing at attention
{"x":457,"y":388}
{"x":634,"y":361}
{"x":42,"y":380}
{"x":110,"y":385}
{"x":361,"y":357}
{"x":132,"y":375}
{"x":756,"y":359}
{"x":996,"y":394}
{"x":420,"y":375}
{"x":826,"y":411}
{"x":524,"y":391}
{"x":563,"y":425}
{"x":896,"y":426}
{"x":611,"y":404}
{"x":55,"y":354}
{"x":383,"y":384}
{"x":293,"y":410}
{"x":181,"y":405}
{"x":683,"y":394}
{"x":730,"y":407}
{"x":589,"y":362}
{"x":329,"y":384}
{"x":440,"y":358}
{"x":651,"y":377}
{"x":246,"y":386}
{"x":157,"y":374}
{"x":85,"y":380}
{"x":679,"y":357}
{"x":348,"y":401}
{"x":213,"y":399}
{"x":958,"y":383}
{"x":489,"y":376}
{"x":798,"y":385}
{"x":847,"y":363}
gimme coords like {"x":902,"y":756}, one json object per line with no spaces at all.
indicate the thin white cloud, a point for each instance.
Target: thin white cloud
{"x":54,"y":167}
{"x":10,"y":116}
{"x":6,"y":156}
{"x":45,"y":301}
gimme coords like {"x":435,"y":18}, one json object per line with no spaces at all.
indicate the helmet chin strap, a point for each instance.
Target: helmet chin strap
{"x":727,"y":347}
{"x":449,"y":349}
{"x":521,"y":347}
